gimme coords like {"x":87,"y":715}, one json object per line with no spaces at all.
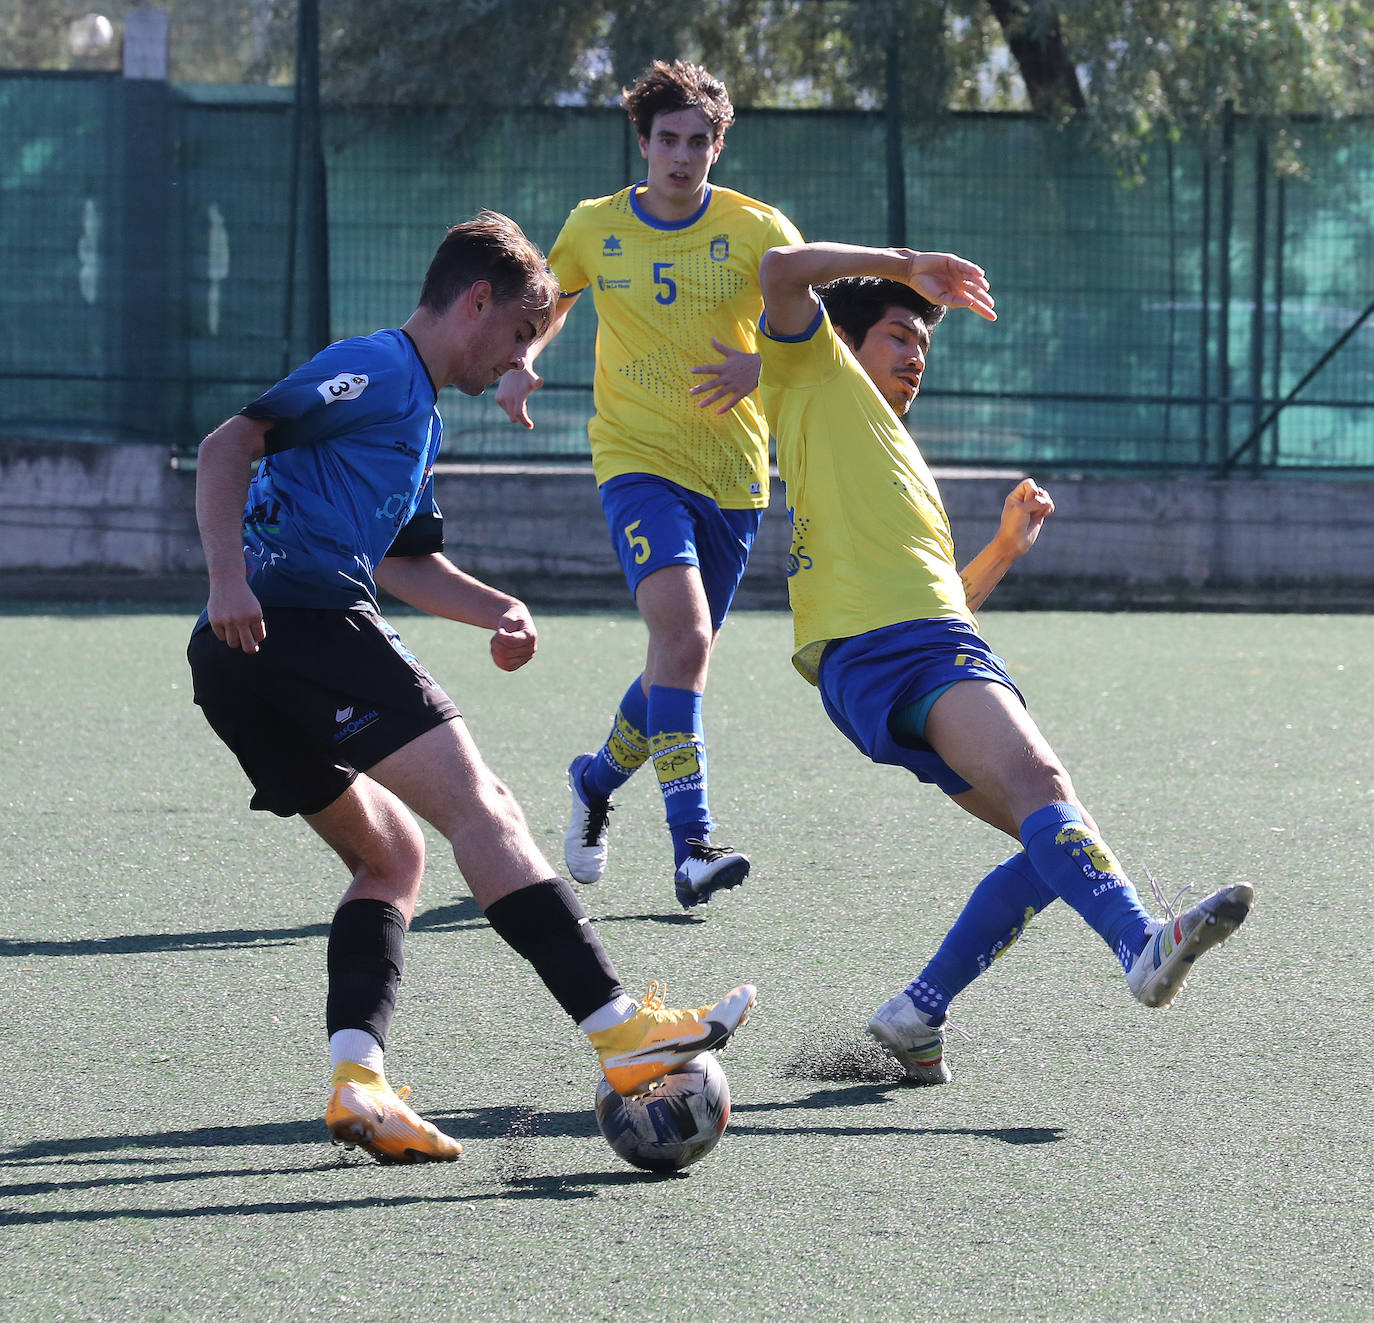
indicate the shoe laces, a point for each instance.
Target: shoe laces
{"x":598,"y":816}
{"x":653,"y":1004}
{"x":707,"y":852}
{"x":403,"y":1093}
{"x":1170,"y":907}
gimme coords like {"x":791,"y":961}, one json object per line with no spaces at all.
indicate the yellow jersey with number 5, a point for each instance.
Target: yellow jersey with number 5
{"x":662,"y":291}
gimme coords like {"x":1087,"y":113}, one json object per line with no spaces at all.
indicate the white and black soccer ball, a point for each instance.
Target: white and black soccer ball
{"x":678,"y":1122}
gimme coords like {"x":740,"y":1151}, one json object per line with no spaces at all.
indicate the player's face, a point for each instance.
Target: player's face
{"x":893,"y":354}
{"x":504,"y":333}
{"x":680,"y":150}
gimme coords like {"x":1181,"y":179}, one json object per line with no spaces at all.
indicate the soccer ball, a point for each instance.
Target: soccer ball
{"x":678,"y":1122}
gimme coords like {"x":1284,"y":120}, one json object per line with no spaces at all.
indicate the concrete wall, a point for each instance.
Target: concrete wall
{"x":89,"y":522}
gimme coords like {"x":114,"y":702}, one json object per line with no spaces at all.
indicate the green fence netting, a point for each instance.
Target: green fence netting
{"x":154,"y":251}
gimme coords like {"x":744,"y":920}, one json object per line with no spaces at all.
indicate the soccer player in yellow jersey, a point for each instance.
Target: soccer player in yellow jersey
{"x":679,"y":444}
{"x":884,"y":625}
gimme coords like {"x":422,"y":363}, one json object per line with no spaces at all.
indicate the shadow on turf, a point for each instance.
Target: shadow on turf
{"x":461,"y":915}
{"x":571,"y":1185}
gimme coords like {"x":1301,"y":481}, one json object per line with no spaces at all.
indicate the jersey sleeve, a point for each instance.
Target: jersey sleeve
{"x":800,"y":361}
{"x":782,"y":233}
{"x":344,"y":388}
{"x":564,"y":261}
{"x":422,"y":536}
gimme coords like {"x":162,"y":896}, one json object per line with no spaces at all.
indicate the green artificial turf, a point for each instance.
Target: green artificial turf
{"x":162,"y":956}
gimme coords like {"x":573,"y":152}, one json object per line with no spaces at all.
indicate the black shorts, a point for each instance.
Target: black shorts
{"x":327,"y":695}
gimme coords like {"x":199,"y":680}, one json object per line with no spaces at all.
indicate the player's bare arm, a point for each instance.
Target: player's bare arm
{"x":733,"y":380}
{"x":516,"y":386}
{"x":434,"y":584}
{"x":1023,"y":515}
{"x":788,"y":276}
{"x":224,"y":468}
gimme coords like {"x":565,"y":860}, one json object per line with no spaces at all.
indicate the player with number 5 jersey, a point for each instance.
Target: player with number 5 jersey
{"x":679,"y":444}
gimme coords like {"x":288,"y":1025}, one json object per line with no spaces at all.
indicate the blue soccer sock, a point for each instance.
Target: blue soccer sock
{"x":678,"y":747}
{"x":1083,"y":872}
{"x":626,"y":749}
{"x":994,"y":916}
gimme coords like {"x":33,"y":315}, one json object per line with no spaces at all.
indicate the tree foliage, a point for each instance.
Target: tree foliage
{"x":1128,"y":68}
{"x":210,"y":41}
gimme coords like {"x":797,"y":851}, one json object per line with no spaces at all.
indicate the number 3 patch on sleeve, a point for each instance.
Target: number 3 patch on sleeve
{"x":346,"y":386}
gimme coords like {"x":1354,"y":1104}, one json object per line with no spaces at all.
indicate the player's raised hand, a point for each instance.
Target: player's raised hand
{"x":513,"y":392}
{"x":516,"y":639}
{"x":733,"y":380}
{"x":952,"y":281}
{"x":1024,"y":513}
{"x":236,"y":615}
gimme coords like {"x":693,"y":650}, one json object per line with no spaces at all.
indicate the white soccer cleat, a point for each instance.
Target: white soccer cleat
{"x":708,"y":869}
{"x":584,"y":847}
{"x":918,"y":1046}
{"x":1159,"y":972}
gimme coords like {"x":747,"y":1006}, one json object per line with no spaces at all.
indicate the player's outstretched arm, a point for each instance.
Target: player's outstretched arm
{"x":788,"y":277}
{"x":1023,"y":515}
{"x":433,"y":583}
{"x":224,"y":468}
{"x":516,"y":386}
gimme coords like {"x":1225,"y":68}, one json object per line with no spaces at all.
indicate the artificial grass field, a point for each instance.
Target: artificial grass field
{"x":162,"y":966}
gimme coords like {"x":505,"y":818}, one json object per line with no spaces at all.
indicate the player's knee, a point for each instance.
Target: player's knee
{"x":398,"y":860}
{"x":682,"y":660}
{"x":492,"y":806}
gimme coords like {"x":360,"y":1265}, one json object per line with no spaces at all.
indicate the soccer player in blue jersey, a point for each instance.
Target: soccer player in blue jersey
{"x":333,"y":718}
{"x":672,"y":266}
{"x":884,"y":626}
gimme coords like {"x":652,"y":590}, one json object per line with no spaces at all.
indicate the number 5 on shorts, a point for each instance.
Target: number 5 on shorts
{"x":639,"y":545}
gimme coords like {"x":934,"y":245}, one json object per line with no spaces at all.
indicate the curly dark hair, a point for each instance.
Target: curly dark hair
{"x":663,"y":88}
{"x":856,"y":303}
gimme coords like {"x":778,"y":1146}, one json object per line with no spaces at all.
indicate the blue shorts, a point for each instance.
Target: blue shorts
{"x":655,"y":522}
{"x":867,"y":680}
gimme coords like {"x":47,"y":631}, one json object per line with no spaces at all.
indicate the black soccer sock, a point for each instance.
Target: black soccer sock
{"x":365,"y":958}
{"x":546,"y":925}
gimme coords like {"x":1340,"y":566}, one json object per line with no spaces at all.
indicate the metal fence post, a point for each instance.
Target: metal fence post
{"x":896,"y":163}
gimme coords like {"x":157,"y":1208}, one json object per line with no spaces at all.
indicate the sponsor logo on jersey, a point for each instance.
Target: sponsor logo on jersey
{"x":610,"y":247}
{"x":346,"y":386}
{"x":396,"y":508}
{"x":603,"y":283}
{"x":720,"y":248}
{"x":756,"y":489}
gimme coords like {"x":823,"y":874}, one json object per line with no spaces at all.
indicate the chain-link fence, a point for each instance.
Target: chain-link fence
{"x":153,"y":270}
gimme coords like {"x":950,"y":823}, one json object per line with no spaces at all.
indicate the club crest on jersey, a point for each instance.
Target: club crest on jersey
{"x":720,"y":248}
{"x":346,"y":386}
{"x":610,"y":247}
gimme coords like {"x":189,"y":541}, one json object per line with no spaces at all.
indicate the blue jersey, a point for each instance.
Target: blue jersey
{"x":350,"y":457}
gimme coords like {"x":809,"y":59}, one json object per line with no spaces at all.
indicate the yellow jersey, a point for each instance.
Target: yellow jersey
{"x":871,"y":543}
{"x":662,"y":290}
